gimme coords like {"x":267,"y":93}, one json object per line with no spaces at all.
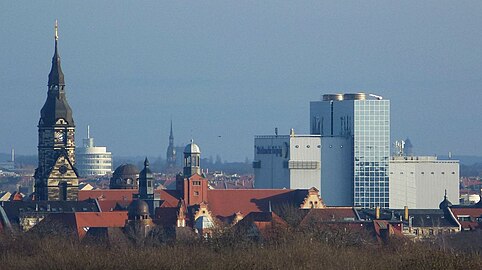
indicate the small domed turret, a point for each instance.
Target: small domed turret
{"x":192,"y":160}
{"x":138,"y":209}
{"x":125,"y":177}
{"x":192,"y":148}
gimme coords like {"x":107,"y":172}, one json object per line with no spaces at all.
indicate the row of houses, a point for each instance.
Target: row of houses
{"x":114,"y":212}
{"x":195,"y":208}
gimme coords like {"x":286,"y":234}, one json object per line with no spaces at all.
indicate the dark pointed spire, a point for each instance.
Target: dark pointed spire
{"x":146,"y":163}
{"x":56,"y":76}
{"x":171,"y":135}
{"x":445,"y":203}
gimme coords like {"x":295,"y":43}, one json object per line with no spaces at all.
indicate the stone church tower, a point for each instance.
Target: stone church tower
{"x":56,"y":177}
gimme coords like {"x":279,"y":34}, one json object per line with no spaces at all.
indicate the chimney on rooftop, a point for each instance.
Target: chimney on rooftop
{"x":377,"y":212}
{"x":405,"y":213}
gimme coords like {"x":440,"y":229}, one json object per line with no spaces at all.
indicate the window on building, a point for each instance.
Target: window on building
{"x":196,"y":193}
{"x":196,"y":183}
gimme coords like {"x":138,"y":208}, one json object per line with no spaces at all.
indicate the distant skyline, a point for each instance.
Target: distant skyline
{"x":225,"y":71}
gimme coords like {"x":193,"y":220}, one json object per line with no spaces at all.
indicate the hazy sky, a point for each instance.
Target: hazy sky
{"x":227,"y":70}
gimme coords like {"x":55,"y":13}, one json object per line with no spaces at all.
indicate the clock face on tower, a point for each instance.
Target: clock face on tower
{"x":59,"y":136}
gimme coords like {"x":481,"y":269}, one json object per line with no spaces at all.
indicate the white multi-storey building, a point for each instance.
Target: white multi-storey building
{"x":421,"y":181}
{"x":287,"y":161}
{"x":93,"y":160}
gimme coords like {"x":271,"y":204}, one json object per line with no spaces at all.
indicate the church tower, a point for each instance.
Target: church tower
{"x":146,"y":188}
{"x":192,"y":184}
{"x":56,"y":177}
{"x":171,"y":151}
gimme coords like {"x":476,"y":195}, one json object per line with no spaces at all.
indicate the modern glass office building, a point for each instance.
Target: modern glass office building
{"x":365,"y":118}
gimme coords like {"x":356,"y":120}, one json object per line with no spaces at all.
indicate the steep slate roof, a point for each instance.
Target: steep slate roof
{"x":431,"y":218}
{"x":225,"y":202}
{"x":330,"y":214}
{"x":420,"y":217}
{"x":13,"y":209}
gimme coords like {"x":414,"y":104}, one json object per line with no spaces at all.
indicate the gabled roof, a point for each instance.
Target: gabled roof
{"x":263,"y":217}
{"x":473,"y":213}
{"x":170,"y":197}
{"x":261,"y":222}
{"x":108,"y":194}
{"x":432,"y":219}
{"x":80,"y":223}
{"x":111,"y":205}
{"x":330,"y":214}
{"x":14,"y":209}
{"x":226,"y":202}
{"x":420,"y":217}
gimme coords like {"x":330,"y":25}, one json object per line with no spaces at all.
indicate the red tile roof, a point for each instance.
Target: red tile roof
{"x":107,"y":194}
{"x":468,"y":211}
{"x":473,"y":212}
{"x":101,"y":219}
{"x":109,"y":205}
{"x":81,"y":221}
{"x":226,"y":202}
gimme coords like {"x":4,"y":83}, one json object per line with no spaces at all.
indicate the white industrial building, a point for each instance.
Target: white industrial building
{"x":420,"y":181}
{"x":287,"y":161}
{"x":93,"y":160}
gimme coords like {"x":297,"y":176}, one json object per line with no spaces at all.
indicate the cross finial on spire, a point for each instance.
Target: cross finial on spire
{"x":56,"y":30}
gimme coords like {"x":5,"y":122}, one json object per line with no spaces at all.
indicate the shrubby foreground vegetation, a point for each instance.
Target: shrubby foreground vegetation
{"x":281,"y":249}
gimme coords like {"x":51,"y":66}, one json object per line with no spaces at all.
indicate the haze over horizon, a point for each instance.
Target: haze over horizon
{"x":226,"y":71}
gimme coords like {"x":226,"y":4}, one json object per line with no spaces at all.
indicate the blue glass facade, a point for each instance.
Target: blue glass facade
{"x":371,"y":152}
